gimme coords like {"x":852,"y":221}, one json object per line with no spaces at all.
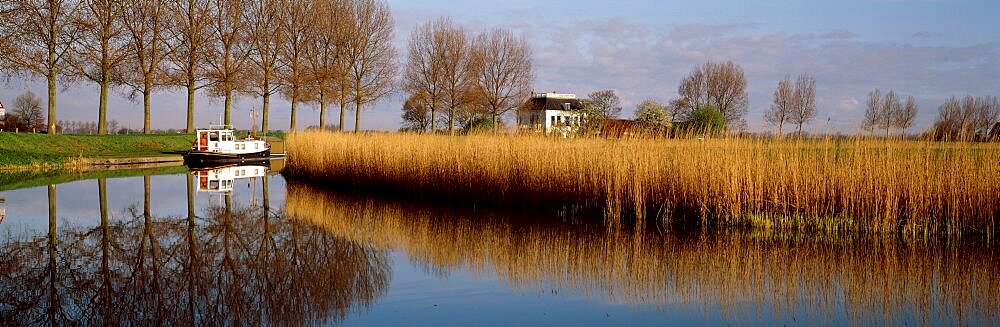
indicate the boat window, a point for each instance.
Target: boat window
{"x":213,"y":136}
{"x":213,"y":185}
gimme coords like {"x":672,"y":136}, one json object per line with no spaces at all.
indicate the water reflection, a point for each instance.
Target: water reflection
{"x":235,"y":264}
{"x":741,"y":276}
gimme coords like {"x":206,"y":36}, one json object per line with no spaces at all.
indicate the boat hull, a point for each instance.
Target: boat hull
{"x":210,"y":159}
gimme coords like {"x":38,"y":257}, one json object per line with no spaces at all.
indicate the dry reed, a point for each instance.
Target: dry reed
{"x":740,"y":275}
{"x":862,"y":185}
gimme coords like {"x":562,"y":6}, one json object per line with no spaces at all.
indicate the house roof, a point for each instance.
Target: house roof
{"x":539,"y":103}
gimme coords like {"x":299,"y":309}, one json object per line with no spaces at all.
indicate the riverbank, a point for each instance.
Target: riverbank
{"x":25,"y":151}
{"x":42,"y":152}
{"x":918,"y":188}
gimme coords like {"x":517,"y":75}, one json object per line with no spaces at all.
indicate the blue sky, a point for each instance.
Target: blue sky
{"x":641,"y":49}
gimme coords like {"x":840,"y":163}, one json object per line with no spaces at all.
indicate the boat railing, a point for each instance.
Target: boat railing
{"x":220,"y":126}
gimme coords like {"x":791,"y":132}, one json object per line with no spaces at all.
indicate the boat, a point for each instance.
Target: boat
{"x":217,"y":145}
{"x":221,"y":179}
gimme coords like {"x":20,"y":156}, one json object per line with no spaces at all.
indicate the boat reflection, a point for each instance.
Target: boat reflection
{"x":740,"y":276}
{"x":235,"y":264}
{"x":221,"y":179}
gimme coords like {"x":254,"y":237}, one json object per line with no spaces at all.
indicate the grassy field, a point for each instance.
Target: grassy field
{"x":41,"y":150}
{"x":860,"y":185}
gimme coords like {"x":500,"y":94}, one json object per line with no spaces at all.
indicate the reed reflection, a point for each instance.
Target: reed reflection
{"x":737,"y":275}
{"x":234,"y":264}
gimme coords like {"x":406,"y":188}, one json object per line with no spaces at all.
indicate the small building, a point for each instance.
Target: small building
{"x":3,"y":111}
{"x":551,"y":113}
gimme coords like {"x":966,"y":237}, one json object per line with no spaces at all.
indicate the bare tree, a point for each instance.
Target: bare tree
{"x":230,"y":51}
{"x":266,"y":35}
{"x":424,"y":73}
{"x":804,"y":109}
{"x":373,"y":69}
{"x":416,"y":115}
{"x":904,"y":117}
{"x":457,"y":66}
{"x":720,"y":85}
{"x":146,"y":23}
{"x":873,"y":110}
{"x":605,"y":102}
{"x":967,"y":118}
{"x":782,"y":105}
{"x":190,"y":21}
{"x":504,"y":74}
{"x":28,"y":109}
{"x":890,"y":107}
{"x":101,"y":50}
{"x":39,"y":43}
{"x":297,"y":18}
{"x":325,"y":51}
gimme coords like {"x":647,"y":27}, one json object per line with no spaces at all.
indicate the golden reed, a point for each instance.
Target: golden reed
{"x":860,"y":185}
{"x":742,"y":275}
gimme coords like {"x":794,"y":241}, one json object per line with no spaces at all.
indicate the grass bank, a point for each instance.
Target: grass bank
{"x":860,"y":185}
{"x":41,"y":151}
{"x":25,"y":179}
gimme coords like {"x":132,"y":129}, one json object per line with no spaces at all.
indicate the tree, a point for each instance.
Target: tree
{"x":423,"y":73}
{"x":229,"y":51}
{"x":458,"y":67}
{"x":705,"y":119}
{"x":503,"y":71}
{"x":653,"y":116}
{"x":146,"y":23}
{"x":416,"y":114}
{"x":325,"y":53}
{"x":40,"y":42}
{"x":783,"y":105}
{"x":266,"y":34}
{"x":297,"y":18}
{"x":190,"y":19}
{"x":606,"y":103}
{"x":904,"y":118}
{"x":967,"y":118}
{"x":720,"y":85}
{"x":101,"y":50}
{"x":873,"y":110}
{"x":804,"y":104}
{"x":28,"y":110}
{"x":889,"y":108}
{"x":373,"y":69}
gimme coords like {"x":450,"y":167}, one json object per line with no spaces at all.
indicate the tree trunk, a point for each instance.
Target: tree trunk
{"x":799,"y":133}
{"x":322,"y":110}
{"x":295,"y":106}
{"x":190,"y":103}
{"x":343,"y":105}
{"x":267,"y":106}
{"x":451,"y":120}
{"x":228,"y":105}
{"x":146,"y":92}
{"x":357,"y":105}
{"x":102,"y":109}
{"x":433,"y":116}
{"x":52,"y":100}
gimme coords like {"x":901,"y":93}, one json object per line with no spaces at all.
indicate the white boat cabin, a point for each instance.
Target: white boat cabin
{"x":222,"y":141}
{"x":221,"y":180}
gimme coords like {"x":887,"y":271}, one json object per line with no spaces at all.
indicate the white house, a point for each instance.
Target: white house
{"x":551,"y":113}
{"x":3,"y":111}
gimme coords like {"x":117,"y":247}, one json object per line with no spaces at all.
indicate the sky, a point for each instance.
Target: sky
{"x":929,"y":49}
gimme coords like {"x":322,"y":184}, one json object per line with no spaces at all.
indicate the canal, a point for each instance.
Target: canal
{"x":244,"y":246}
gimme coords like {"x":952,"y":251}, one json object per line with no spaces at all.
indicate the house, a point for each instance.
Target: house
{"x":550,"y":113}
{"x":3,"y":111}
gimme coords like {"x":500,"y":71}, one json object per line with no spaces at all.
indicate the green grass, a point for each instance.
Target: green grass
{"x":25,"y":179}
{"x":26,"y":150}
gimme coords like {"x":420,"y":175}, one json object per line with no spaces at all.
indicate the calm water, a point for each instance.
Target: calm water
{"x":177,"y":249}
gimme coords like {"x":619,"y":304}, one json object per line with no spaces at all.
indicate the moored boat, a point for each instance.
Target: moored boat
{"x":218,"y":145}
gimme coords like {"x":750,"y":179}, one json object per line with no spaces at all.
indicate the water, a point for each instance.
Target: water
{"x":164,"y":248}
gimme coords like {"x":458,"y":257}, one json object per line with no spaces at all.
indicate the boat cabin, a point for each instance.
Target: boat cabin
{"x":223,"y":141}
{"x":221,"y":180}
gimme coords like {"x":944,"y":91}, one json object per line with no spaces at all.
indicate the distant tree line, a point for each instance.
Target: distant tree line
{"x":318,"y":52}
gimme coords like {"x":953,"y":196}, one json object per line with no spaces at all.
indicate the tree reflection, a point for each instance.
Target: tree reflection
{"x":739,"y":275}
{"x":236,"y":265}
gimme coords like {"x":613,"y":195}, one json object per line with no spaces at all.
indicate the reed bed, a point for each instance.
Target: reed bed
{"x":745,"y":276}
{"x":876,"y":186}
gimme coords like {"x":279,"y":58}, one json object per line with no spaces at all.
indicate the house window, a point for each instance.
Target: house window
{"x":553,"y":120}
